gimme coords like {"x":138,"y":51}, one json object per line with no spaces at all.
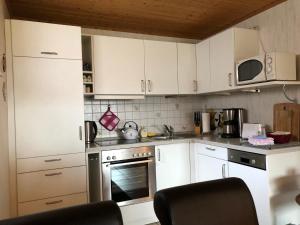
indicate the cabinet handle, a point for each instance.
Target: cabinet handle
{"x":4,"y":63}
{"x":49,"y":53}
{"x":230,"y":79}
{"x":54,"y":202}
{"x":224,"y":170}
{"x":158,"y":155}
{"x":149,"y":86}
{"x":52,"y":160}
{"x":143,"y":85}
{"x":4,"y":91}
{"x":80,"y":133}
{"x":53,"y":174}
{"x":210,"y":149}
{"x":195,"y":86}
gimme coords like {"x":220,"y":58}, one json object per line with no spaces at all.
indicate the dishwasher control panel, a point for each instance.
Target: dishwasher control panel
{"x":247,"y":158}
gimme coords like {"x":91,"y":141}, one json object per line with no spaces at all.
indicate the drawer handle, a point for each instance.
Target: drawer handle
{"x":49,"y":53}
{"x":210,"y":149}
{"x":54,"y":202}
{"x":53,"y":174}
{"x":224,"y":170}
{"x":52,"y":160}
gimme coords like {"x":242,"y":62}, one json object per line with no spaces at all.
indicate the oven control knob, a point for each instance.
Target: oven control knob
{"x":140,"y":154}
{"x":108,"y":158}
{"x":253,"y":161}
{"x":114,"y":157}
{"x":145,"y":154}
{"x":149,"y":153}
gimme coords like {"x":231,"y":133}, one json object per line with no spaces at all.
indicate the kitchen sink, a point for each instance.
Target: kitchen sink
{"x":167,"y":137}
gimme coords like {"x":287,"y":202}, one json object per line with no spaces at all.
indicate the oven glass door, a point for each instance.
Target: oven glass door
{"x":130,"y":182}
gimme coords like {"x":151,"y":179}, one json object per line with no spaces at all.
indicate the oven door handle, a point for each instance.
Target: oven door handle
{"x":130,"y":163}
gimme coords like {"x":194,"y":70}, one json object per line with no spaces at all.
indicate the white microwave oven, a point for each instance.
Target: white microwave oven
{"x":271,"y":66}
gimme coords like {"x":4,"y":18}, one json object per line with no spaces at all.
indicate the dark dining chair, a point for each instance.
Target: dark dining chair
{"x":103,"y":213}
{"x":298,"y":199}
{"x":227,"y":201}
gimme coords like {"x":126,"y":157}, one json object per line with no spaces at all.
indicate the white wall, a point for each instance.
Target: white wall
{"x":4,"y":167}
{"x":279,"y":31}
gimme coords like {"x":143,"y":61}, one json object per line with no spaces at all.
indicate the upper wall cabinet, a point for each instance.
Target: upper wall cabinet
{"x":203,"y":67}
{"x":227,"y":48}
{"x":46,"y":40}
{"x":119,"y":66}
{"x":161,"y":68}
{"x":187,"y":70}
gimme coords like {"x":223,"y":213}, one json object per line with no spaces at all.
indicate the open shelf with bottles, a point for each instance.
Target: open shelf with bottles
{"x":87,"y":66}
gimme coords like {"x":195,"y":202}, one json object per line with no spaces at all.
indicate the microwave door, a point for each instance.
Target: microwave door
{"x":250,"y":71}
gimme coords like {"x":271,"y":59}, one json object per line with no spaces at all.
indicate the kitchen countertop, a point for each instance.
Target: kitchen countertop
{"x":233,"y":143}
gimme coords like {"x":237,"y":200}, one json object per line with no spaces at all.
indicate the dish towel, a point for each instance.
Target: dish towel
{"x":261,"y":140}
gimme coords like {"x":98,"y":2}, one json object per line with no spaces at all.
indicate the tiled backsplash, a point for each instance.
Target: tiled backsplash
{"x":151,"y":112}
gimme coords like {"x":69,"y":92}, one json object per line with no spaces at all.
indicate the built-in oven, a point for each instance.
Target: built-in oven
{"x":128,"y":175}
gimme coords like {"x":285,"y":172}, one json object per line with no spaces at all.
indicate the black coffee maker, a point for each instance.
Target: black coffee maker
{"x":233,"y":120}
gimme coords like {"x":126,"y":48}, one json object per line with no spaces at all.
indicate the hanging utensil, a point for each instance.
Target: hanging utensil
{"x":109,"y":120}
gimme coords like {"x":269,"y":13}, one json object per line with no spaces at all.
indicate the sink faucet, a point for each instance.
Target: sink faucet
{"x":169,"y":130}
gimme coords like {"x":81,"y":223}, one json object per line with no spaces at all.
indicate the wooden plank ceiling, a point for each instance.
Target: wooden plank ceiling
{"x":196,"y":19}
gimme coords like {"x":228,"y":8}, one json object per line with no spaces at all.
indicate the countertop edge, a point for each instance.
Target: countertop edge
{"x":202,"y":140}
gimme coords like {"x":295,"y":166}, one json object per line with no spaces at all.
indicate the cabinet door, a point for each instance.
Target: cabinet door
{"x":257,"y":182}
{"x":161,"y":67}
{"x":172,"y":165}
{"x":203,"y":66}
{"x":187,"y":75}
{"x":222,"y":61}
{"x":47,"y":40}
{"x":49,"y":113}
{"x":119,"y":66}
{"x":209,"y":168}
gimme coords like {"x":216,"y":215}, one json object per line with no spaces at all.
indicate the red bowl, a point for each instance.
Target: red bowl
{"x":280,"y":138}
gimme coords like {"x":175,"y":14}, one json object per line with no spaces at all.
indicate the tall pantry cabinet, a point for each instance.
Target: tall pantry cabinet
{"x":47,"y":148}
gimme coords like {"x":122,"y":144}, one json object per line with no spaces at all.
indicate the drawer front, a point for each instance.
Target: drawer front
{"x":45,"y":40}
{"x":51,"y":204}
{"x":50,"y":162}
{"x":51,"y":183}
{"x":213,"y":151}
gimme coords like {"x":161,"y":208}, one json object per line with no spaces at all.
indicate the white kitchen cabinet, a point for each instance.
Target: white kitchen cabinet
{"x":161,"y":68}
{"x":34,"y":39}
{"x":172,"y":165}
{"x":49,"y":113}
{"x":222,"y":61}
{"x":209,"y":168}
{"x":203,"y":66}
{"x":210,"y":162}
{"x":27,"y":208}
{"x":187,"y":69}
{"x":225,"y":49}
{"x":119,"y":65}
{"x":51,"y":183}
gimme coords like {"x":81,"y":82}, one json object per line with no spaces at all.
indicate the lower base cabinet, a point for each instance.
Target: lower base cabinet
{"x":51,"y":203}
{"x":210,"y":162}
{"x":209,"y":168}
{"x":51,"y":182}
{"x":172,"y":165}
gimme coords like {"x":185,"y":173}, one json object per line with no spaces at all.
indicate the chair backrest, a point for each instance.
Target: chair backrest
{"x":103,"y":213}
{"x":219,"y":202}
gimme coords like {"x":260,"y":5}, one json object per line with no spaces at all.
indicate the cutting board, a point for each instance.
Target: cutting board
{"x":287,"y":118}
